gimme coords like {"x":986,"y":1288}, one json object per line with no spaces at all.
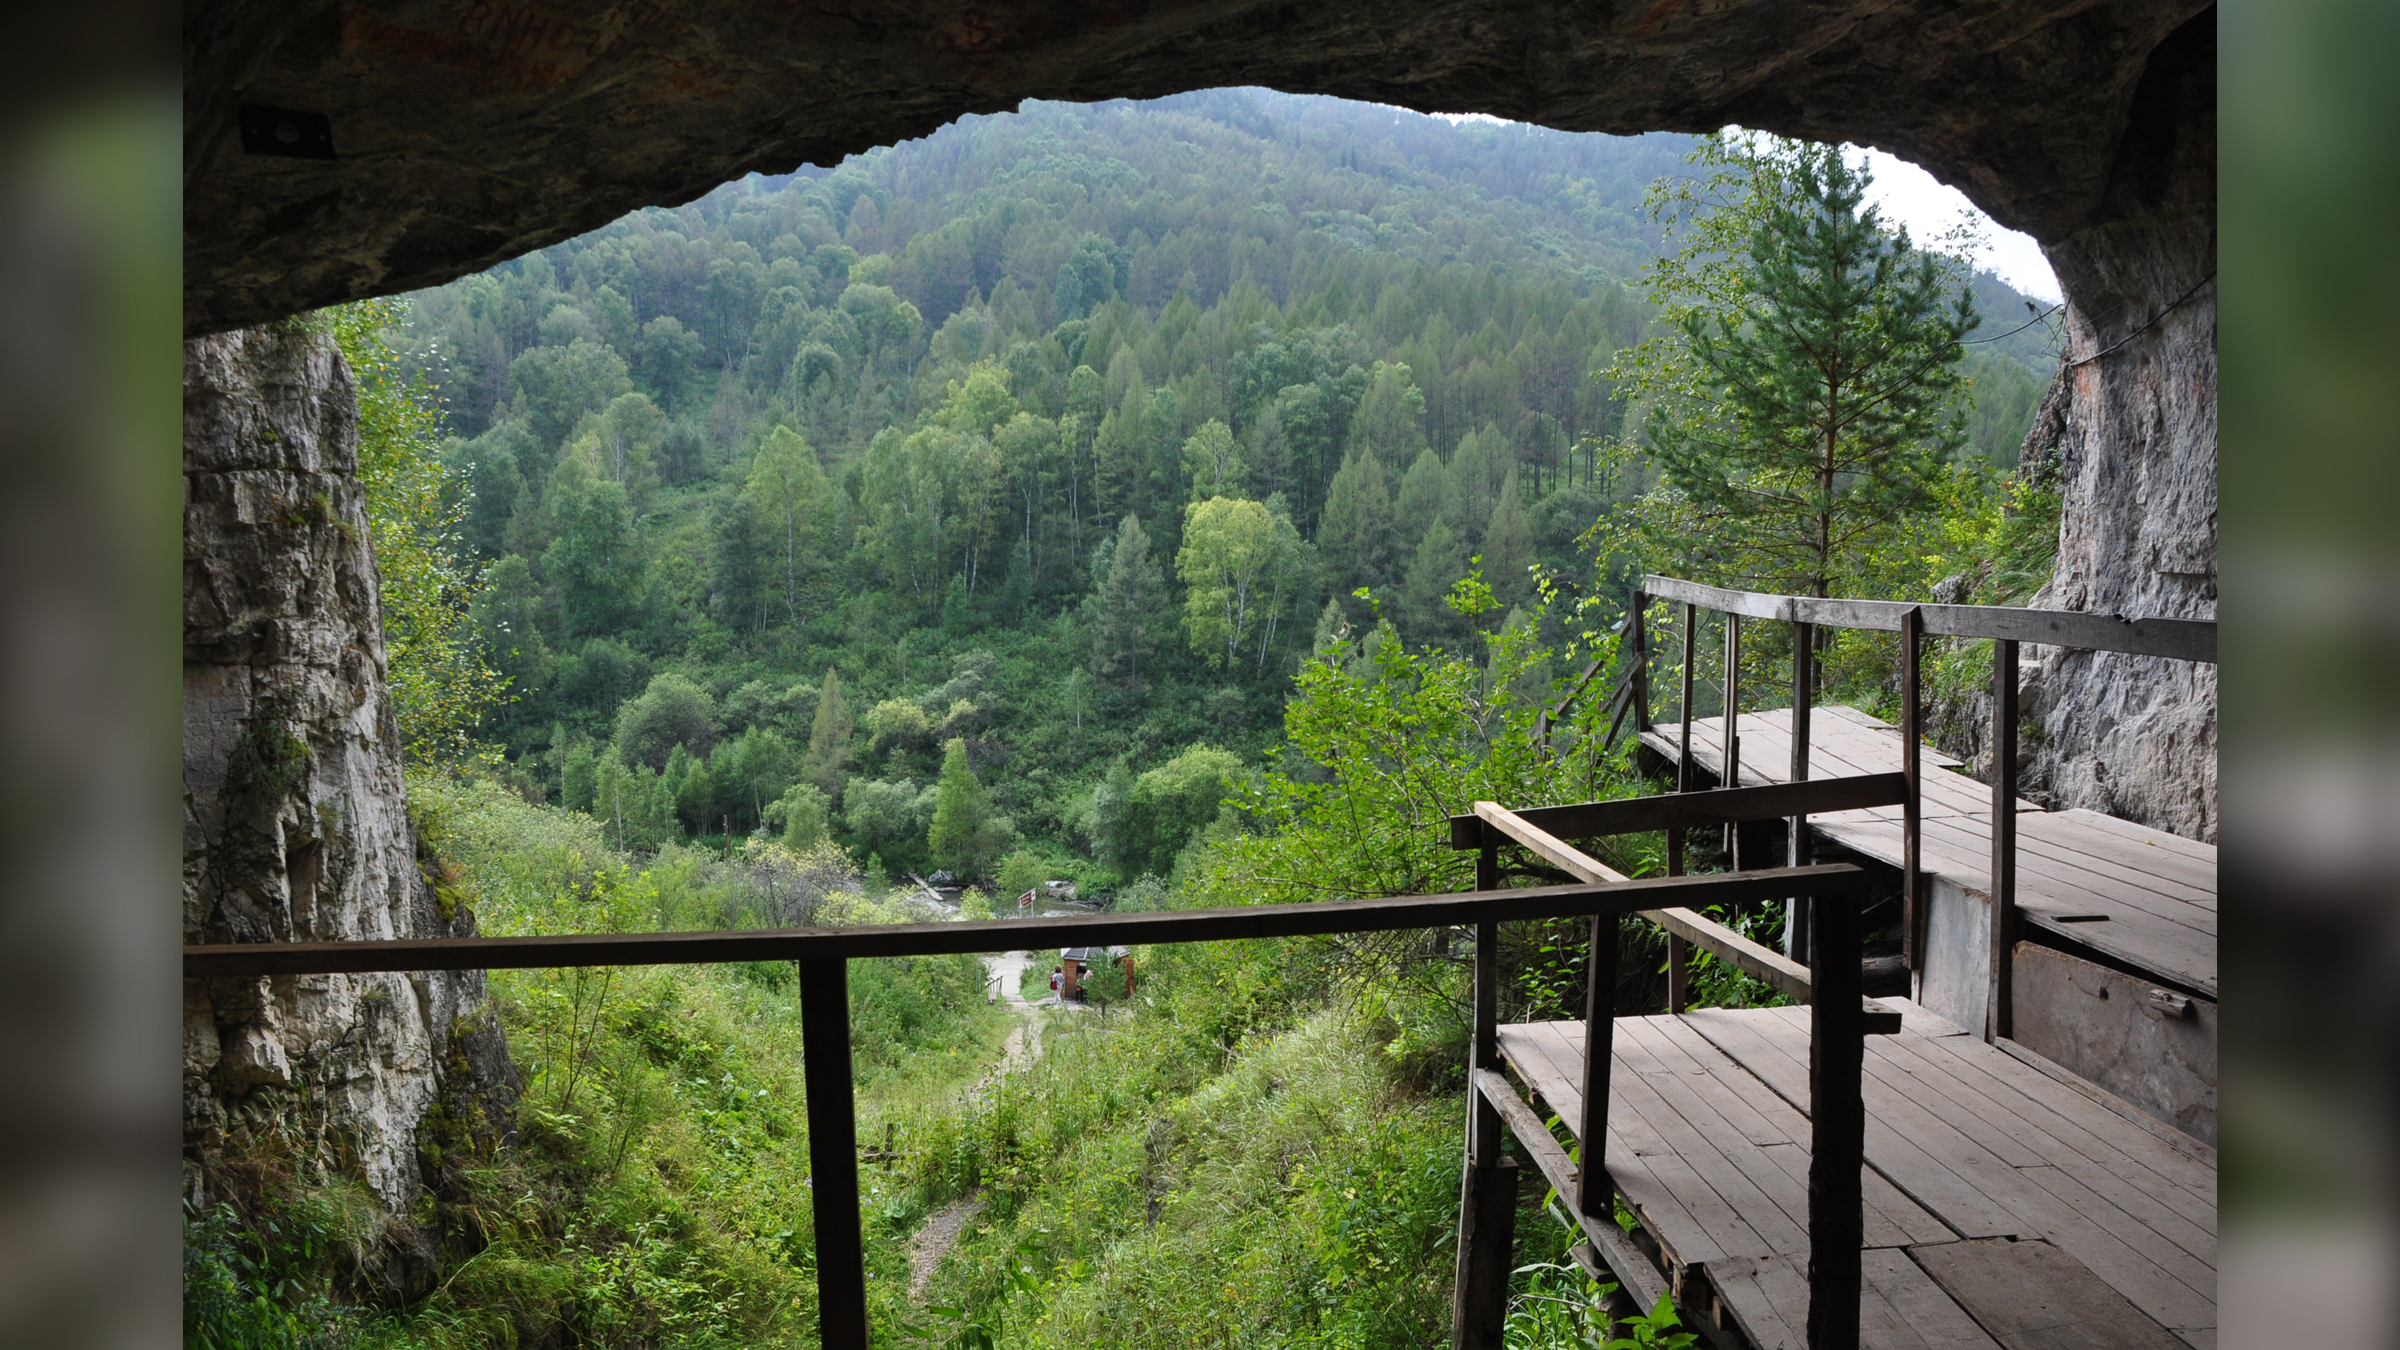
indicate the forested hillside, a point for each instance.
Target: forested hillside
{"x":1049,"y":438}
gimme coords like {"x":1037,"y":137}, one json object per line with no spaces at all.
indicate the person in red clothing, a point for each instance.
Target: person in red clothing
{"x":1056,"y":976}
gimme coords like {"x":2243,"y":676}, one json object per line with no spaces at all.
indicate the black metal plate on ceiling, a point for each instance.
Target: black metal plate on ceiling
{"x":280,"y":131}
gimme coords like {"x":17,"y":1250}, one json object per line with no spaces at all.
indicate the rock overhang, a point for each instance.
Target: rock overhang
{"x":467,"y":132}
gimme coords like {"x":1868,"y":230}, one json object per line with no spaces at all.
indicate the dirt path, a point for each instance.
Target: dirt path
{"x":934,"y":1241}
{"x":941,"y":1232}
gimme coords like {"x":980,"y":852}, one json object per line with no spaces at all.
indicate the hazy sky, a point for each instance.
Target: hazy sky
{"x":1907,"y":195}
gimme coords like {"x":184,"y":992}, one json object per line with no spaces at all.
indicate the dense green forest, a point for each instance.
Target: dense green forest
{"x":1200,"y":499}
{"x":883,"y":428}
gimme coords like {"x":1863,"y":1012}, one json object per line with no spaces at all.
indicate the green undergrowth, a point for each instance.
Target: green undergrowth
{"x":1239,"y":1162}
{"x":657,"y":1193}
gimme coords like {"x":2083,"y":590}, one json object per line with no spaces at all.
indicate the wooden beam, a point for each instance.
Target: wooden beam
{"x":1754,"y":959}
{"x":2180,"y":639}
{"x":1837,"y":1132}
{"x":1547,"y":846}
{"x":1684,"y":810}
{"x":1599,"y":1057}
{"x":1997,"y":1022}
{"x":833,"y":1154}
{"x":1633,"y":1270}
{"x":1486,"y":1256}
{"x":998,"y":935}
{"x":1764,"y":962}
{"x":1915,"y":902}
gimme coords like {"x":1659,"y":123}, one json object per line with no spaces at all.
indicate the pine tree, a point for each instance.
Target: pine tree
{"x":1356,"y":535}
{"x":1807,"y":396}
{"x":828,"y":738}
{"x":1123,"y":606}
{"x":961,"y":836}
{"x":1508,"y":546}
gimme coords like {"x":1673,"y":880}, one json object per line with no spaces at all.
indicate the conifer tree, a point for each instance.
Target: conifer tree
{"x":1356,"y":535}
{"x":1508,"y":546}
{"x":961,"y":835}
{"x":1806,"y":396}
{"x":828,"y":738}
{"x":1124,"y":604}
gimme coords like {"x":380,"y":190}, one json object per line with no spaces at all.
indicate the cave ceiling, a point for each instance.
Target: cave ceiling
{"x":334,"y":151}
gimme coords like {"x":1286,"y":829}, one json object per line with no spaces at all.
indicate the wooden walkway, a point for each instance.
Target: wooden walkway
{"x":2005,"y":1207}
{"x":2135,"y":895}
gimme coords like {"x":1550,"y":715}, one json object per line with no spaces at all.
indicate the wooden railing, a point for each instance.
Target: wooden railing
{"x":1840,"y":1018}
{"x":2007,"y":628}
{"x":823,"y":956}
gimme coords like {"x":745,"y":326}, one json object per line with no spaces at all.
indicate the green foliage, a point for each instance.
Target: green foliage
{"x":427,"y":583}
{"x":1021,"y":871}
{"x":1803,"y":388}
{"x":963,"y":836}
{"x":672,"y":713}
{"x":658,"y":1194}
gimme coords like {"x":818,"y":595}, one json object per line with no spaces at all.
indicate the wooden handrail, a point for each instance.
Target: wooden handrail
{"x":1785,"y":974}
{"x":245,"y":959}
{"x":2180,"y":639}
{"x":1637,"y":815}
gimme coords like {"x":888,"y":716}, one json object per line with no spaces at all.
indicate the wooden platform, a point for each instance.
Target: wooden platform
{"x":2134,"y":895}
{"x":1975,"y":1160}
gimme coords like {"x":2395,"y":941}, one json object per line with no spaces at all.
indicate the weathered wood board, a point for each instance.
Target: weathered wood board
{"x":2157,"y":891}
{"x":2032,"y":1296}
{"x":2153,"y":1047}
{"x":1708,"y":1143}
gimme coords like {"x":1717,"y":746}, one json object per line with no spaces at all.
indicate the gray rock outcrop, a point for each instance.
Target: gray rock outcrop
{"x":2129,"y":432}
{"x":295,"y":823}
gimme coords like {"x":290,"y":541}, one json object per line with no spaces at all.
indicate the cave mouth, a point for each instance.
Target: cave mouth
{"x":335,"y":153}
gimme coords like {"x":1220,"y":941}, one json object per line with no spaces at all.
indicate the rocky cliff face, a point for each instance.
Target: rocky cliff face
{"x":2137,"y":457}
{"x":295,"y":826}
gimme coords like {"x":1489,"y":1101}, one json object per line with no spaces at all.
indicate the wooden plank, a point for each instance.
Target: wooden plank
{"x":2190,"y":849}
{"x":2033,"y":1296}
{"x":1904,"y":1304}
{"x":1635,"y":815}
{"x":1767,"y":1300}
{"x":1770,"y":1048}
{"x":1551,"y":1067}
{"x":2131,"y":1181}
{"x":2173,"y":1138}
{"x":2101,"y":1024}
{"x":1900,"y":1307}
{"x":1780,"y":1131}
{"x":1737,"y":1166}
{"x":2074,"y":1118}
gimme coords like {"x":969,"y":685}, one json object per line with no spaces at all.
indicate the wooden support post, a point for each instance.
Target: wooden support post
{"x":833,"y":1154}
{"x":1487,"y":1198}
{"x":2004,"y":836}
{"x":1795,"y":914}
{"x":1679,"y":973}
{"x":1639,"y":631}
{"x":1483,"y":1131}
{"x":1487,"y":1241}
{"x":1837,"y":1125}
{"x":1913,"y":900}
{"x":1683,"y":757}
{"x":1599,"y":1051}
{"x":1732,"y":775}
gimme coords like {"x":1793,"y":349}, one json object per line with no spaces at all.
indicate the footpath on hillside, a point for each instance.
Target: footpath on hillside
{"x":1023,"y":1046}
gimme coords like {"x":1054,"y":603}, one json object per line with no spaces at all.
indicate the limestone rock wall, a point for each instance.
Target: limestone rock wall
{"x":2129,"y":433}
{"x":2137,"y":450}
{"x":295,"y":825}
